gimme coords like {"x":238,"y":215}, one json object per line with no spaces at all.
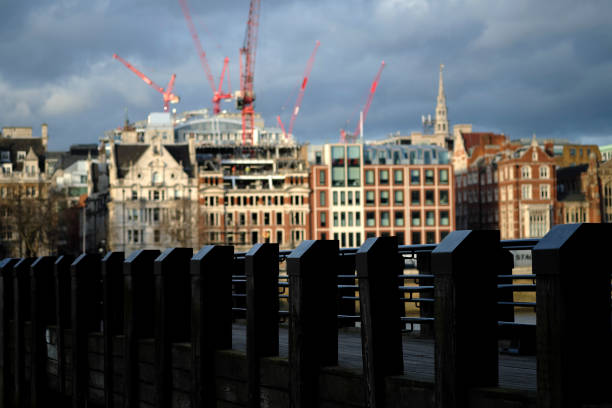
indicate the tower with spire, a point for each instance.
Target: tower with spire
{"x":441,"y":122}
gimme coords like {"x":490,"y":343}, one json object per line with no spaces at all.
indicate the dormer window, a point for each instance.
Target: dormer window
{"x":21,"y":155}
{"x":5,"y":156}
{"x":7,"y":168}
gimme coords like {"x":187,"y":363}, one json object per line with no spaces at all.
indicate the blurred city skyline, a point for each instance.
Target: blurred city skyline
{"x":517,"y":68}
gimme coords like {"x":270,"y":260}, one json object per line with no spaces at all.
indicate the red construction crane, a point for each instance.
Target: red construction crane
{"x":167,"y":94}
{"x":246,"y":96}
{"x":218,"y":94}
{"x":344,"y":136}
{"x":298,"y":101}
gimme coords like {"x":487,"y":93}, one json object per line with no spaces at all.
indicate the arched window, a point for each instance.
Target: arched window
{"x":156,"y":179}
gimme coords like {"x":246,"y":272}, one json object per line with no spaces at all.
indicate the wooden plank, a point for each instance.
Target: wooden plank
{"x":138,"y":303}
{"x":313,"y":327}
{"x":378,"y":266}
{"x":6,"y":333}
{"x":465,"y":286}
{"x":42,"y":313}
{"x":262,"y":312}
{"x":211,"y":317}
{"x":112,"y":286}
{"x":172,"y":314}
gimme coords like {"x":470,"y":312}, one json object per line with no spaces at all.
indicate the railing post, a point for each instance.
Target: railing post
{"x":426,"y":309}
{"x":465,"y":328}
{"x":172,"y":314}
{"x":262,"y":312}
{"x":61,"y":272}
{"x":6,"y":314}
{"x":378,"y":267}
{"x":42,"y":314}
{"x":211,"y":317}
{"x":138,"y":306}
{"x":86,"y":317}
{"x":573,"y":315}
{"x":112,"y":287}
{"x":21,"y":280}
{"x":313,"y":324}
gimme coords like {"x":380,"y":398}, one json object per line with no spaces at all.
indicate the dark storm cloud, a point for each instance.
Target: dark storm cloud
{"x":514,"y":67}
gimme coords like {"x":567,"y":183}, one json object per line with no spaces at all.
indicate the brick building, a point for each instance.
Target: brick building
{"x":506,"y":186}
{"x":364,"y":191}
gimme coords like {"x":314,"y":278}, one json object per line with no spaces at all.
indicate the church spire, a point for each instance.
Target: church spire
{"x":441,"y":123}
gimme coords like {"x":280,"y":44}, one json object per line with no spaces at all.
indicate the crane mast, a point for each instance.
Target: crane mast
{"x":245,"y":98}
{"x":344,"y":136}
{"x":298,"y":101}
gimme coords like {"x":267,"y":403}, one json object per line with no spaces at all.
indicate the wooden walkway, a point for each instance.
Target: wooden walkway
{"x":515,"y":372}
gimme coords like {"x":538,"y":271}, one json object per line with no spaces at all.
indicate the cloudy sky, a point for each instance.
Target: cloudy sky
{"x":516,"y":67}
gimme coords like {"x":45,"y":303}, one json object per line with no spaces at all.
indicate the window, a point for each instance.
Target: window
{"x":266,"y":218}
{"x":279,"y":218}
{"x":383,"y":176}
{"x":156,"y":235}
{"x":443,"y":197}
{"x":21,"y":155}
{"x":526,"y":192}
{"x":358,"y":219}
{"x":254,"y":219}
{"x":430,"y":237}
{"x":443,"y":234}
{"x":156,"y":179}
{"x":416,"y":218}
{"x":337,"y":176}
{"x":342,"y":198}
{"x":384,"y":197}
{"x":399,"y":218}
{"x":444,"y":220}
{"x":369,"y":197}
{"x":430,"y":218}
{"x":429,"y":176}
{"x":526,"y":172}
{"x":322,"y":198}
{"x":357,"y":197}
{"x":370,"y":219}
{"x":321,"y":177}
{"x":279,"y":236}
{"x":429,"y":197}
{"x":415,"y":197}
{"x":5,"y":156}
{"x":443,"y":176}
{"x":384,"y":218}
{"x":156,"y":195}
{"x":335,"y":219}
{"x":415,"y":177}
{"x":544,"y":172}
{"x":349,"y":200}
{"x":369,"y":177}
{"x":335,"y":195}
{"x":134,"y":195}
{"x":342,"y":219}
{"x":544,"y":191}
{"x":398,"y":176}
{"x":399,"y":197}
{"x":416,"y":238}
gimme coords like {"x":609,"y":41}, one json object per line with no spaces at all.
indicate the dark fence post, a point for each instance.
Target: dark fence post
{"x":262,"y":312}
{"x":426,"y":309}
{"x":138,"y":304}
{"x":6,"y":315}
{"x":172,"y":314}
{"x":211,"y":317}
{"x":61,"y":271}
{"x":505,"y":313}
{"x":465,"y":279}
{"x":86,"y":317}
{"x":112,"y":286}
{"x":21,"y":294}
{"x":42,"y":314}
{"x":378,"y":267}
{"x":573,"y":315}
{"x":313,"y":324}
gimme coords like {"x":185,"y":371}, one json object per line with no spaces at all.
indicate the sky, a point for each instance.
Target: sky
{"x":515,"y":67}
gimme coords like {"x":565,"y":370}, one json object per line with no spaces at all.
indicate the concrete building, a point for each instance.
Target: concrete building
{"x":251,"y":194}
{"x":378,"y":190}
{"x":153,"y":196}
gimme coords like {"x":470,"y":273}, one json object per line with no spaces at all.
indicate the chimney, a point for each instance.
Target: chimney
{"x":44,"y":134}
